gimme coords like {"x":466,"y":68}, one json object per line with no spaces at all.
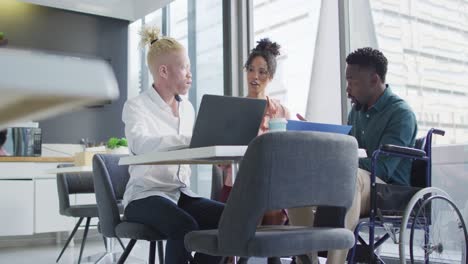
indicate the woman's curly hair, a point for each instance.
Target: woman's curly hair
{"x":269,"y":51}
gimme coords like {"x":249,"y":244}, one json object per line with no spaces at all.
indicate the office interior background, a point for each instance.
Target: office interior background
{"x":424,"y":41}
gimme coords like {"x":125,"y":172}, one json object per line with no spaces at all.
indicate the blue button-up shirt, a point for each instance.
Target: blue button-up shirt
{"x":389,"y":121}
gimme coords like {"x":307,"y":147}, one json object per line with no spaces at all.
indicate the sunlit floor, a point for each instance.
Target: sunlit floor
{"x":47,"y":254}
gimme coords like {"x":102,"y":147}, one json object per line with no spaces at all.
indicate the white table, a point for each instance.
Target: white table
{"x":73,"y":169}
{"x":204,"y":155}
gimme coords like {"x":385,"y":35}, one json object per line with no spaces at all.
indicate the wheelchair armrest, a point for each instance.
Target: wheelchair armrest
{"x":438,"y":132}
{"x":403,"y":150}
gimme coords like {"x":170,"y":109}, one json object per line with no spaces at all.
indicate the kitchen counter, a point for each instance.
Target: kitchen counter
{"x":36,"y":159}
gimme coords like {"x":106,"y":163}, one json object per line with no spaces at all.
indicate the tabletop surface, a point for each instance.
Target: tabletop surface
{"x":203,"y":155}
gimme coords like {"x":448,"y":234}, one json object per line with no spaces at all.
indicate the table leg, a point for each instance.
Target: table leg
{"x":235,"y":168}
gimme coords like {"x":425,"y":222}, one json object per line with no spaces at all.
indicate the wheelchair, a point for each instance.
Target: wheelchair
{"x":424,"y":223}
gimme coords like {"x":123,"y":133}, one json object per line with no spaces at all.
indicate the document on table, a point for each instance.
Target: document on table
{"x":294,"y":125}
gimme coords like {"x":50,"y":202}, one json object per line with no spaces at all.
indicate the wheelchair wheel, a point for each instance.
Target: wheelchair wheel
{"x":432,"y":230}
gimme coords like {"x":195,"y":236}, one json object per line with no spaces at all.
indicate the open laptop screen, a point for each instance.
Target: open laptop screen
{"x":227,"y":121}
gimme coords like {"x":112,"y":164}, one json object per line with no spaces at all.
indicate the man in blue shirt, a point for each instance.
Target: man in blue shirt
{"x":378,"y":117}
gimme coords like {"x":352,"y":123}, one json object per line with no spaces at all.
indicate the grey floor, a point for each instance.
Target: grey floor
{"x":48,"y":252}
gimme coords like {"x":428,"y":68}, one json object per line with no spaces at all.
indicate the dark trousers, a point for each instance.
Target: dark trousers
{"x":176,"y":220}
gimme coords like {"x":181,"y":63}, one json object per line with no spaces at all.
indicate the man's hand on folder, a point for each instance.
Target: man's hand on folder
{"x":300,"y":117}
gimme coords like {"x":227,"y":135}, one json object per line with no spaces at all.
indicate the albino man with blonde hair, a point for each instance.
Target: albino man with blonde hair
{"x":158,"y":118}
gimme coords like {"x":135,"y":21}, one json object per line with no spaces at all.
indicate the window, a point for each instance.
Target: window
{"x":135,"y":60}
{"x":178,"y":21}
{"x":293,"y":25}
{"x":139,"y":78}
{"x":207,"y":37}
{"x":425,"y":44}
{"x":198,"y":26}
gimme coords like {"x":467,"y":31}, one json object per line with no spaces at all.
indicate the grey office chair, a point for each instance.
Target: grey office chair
{"x":110,"y":181}
{"x":284,"y":170}
{"x":76,"y":183}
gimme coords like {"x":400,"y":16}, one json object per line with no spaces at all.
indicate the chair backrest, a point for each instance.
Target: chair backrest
{"x":110,"y":180}
{"x":421,"y":174}
{"x":419,"y":167}
{"x":72,"y":183}
{"x":287,"y":170}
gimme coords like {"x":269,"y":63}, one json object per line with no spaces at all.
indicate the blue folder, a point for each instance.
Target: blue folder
{"x":295,"y":125}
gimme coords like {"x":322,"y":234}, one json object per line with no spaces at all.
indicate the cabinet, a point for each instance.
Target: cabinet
{"x":29,"y":199}
{"x":47,"y":217}
{"x":16,"y":200}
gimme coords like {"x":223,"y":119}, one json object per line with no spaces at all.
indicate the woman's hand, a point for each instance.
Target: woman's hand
{"x":300,"y":117}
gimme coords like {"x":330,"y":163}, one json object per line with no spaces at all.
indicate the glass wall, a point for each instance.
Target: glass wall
{"x":198,"y":25}
{"x":425,"y":43}
{"x":293,"y":24}
{"x":135,"y":61}
{"x":139,"y":78}
{"x":208,"y":40}
{"x":178,"y":21}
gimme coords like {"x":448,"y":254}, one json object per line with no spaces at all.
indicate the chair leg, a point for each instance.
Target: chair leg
{"x":161,"y":252}
{"x":372,"y":243}
{"x":127,"y":251}
{"x":70,"y":238}
{"x":305,"y":259}
{"x":152,"y":252}
{"x":357,"y":229}
{"x":105,"y":242}
{"x":120,"y":242}
{"x":83,"y":242}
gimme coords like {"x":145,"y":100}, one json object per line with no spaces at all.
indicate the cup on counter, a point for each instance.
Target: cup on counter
{"x":277,"y":124}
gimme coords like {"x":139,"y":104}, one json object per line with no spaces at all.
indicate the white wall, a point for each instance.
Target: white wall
{"x":324,"y":102}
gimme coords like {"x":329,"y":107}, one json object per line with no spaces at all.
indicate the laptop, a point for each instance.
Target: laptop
{"x":227,"y":121}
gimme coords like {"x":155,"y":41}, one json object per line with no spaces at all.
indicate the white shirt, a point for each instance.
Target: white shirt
{"x":150,"y":125}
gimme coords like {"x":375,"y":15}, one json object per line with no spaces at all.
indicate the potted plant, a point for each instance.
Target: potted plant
{"x":117,"y":146}
{"x":3,"y":40}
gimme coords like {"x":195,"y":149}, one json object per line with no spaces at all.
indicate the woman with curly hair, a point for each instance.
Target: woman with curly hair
{"x":261,"y":68}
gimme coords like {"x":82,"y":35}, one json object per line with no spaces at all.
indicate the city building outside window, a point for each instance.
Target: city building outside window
{"x":425,"y":44}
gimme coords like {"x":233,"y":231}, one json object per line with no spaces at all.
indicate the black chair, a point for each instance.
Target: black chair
{"x":388,"y":201}
{"x":76,"y":183}
{"x":110,"y":181}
